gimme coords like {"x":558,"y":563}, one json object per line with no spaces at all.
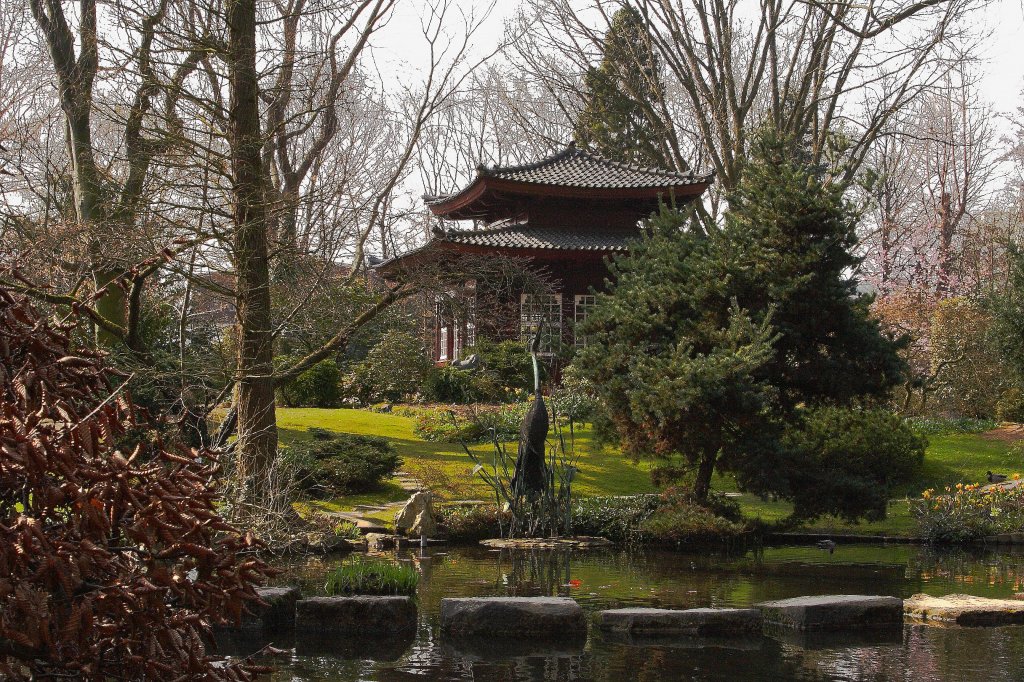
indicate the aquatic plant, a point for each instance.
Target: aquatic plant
{"x":372,"y":576}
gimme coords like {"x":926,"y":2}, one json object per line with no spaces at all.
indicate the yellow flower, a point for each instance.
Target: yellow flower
{"x":1016,"y":477}
{"x":926,"y":494}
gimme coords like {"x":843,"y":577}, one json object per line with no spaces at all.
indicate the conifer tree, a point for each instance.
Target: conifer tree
{"x":712,"y":342}
{"x":619,"y":120}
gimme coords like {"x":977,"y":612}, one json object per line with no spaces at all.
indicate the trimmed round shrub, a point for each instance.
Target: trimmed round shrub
{"x":688,"y":523}
{"x":392,"y":370}
{"x":508,"y":362}
{"x":318,"y":386}
{"x":342,"y":464}
{"x":448,"y":385}
{"x":849,"y":462}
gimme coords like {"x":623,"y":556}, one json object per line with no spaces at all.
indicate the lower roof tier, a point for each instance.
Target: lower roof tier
{"x":519,"y":240}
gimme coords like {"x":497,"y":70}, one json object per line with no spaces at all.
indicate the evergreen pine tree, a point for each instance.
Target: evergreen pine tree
{"x":787,"y":246}
{"x":613,"y":122}
{"x":712,"y":342}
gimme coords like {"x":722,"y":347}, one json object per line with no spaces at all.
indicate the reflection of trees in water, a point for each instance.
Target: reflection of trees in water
{"x":534,"y":572}
{"x":1001,"y":568}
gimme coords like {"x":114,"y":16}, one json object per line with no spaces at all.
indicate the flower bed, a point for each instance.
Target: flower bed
{"x":970,"y":512}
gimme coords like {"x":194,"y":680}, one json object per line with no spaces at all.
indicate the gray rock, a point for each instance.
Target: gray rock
{"x":277,"y":613}
{"x":417,"y":516}
{"x":832,"y":612}
{"x":361,"y":615}
{"x":512,"y":617}
{"x":385,"y":541}
{"x":693,"y":622}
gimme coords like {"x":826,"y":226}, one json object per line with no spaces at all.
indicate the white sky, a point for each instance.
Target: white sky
{"x":1002,"y":68}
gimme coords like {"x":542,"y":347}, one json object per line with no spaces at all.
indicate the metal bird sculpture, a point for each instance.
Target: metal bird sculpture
{"x":531,"y":475}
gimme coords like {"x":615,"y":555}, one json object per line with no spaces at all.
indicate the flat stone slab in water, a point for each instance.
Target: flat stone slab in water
{"x":513,"y":617}
{"x":695,"y":622}
{"x":964,"y":609}
{"x":578,"y":542}
{"x":360,"y":615}
{"x":832,"y":612}
{"x":277,"y":613}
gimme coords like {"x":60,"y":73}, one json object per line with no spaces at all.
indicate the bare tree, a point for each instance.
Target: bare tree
{"x":830,"y":74}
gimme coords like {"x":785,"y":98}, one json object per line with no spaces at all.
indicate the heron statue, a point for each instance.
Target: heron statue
{"x":531,"y":473}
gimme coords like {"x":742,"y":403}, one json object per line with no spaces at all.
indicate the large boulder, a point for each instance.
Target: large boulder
{"x":833,"y":612}
{"x":416,"y":517}
{"x":965,"y":609}
{"x":553,"y":617}
{"x":693,"y":622}
{"x":360,"y":615}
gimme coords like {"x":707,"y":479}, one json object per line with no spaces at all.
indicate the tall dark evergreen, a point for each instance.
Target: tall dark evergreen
{"x":715,"y":343}
{"x":787,"y":245}
{"x":620,"y":119}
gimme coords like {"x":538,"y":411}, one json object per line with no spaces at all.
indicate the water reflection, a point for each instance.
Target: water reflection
{"x":612,"y":578}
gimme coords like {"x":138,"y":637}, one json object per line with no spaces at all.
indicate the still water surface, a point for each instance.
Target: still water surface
{"x":616,"y":578}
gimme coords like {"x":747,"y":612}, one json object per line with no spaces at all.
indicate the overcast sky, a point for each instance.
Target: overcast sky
{"x":1002,"y":71}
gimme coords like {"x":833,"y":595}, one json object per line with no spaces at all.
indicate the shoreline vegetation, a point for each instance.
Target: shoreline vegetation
{"x":959,"y":451}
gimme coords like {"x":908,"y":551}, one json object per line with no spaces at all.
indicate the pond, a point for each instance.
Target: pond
{"x":618,"y":577}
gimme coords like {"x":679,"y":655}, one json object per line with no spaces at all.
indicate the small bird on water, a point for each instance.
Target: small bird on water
{"x":996,"y":478}
{"x":827,"y":544}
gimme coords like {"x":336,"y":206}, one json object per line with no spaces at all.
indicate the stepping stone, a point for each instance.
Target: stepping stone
{"x":965,"y":609}
{"x":694,"y":622}
{"x":275,"y":615}
{"x":369,"y":508}
{"x":368,"y":527}
{"x":358,"y":615}
{"x":833,"y":612}
{"x":513,"y":617}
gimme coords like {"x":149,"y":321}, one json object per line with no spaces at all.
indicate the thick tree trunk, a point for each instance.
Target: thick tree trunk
{"x":705,"y":470}
{"x":74,"y":85}
{"x":257,"y":423}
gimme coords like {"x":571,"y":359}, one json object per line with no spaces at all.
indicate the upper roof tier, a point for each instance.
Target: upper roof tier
{"x":499,"y":192}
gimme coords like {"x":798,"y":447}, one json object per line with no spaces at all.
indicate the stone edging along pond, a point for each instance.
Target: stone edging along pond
{"x":561,"y":618}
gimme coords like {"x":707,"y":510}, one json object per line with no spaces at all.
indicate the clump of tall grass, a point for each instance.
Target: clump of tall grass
{"x":372,"y":576}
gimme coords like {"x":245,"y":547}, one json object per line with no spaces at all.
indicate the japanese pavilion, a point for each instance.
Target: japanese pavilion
{"x":565,"y":215}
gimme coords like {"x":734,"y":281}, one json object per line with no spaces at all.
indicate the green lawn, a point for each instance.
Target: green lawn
{"x":447,"y":471}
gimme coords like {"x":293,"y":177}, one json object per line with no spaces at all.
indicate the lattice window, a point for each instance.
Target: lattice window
{"x":443,"y":351}
{"x":538,"y":308}
{"x":584,"y":304}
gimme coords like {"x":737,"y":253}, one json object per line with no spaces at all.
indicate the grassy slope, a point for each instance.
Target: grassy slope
{"x":950,"y":459}
{"x":446,"y":469}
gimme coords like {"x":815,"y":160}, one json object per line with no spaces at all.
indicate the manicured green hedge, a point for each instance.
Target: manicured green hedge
{"x":340,"y":464}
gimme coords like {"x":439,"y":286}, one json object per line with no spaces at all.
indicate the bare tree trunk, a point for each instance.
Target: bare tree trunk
{"x":705,"y":470}
{"x":257,"y":423}
{"x":75,"y":76}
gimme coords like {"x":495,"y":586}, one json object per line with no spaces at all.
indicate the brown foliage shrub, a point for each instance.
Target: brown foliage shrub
{"x":113,"y":560}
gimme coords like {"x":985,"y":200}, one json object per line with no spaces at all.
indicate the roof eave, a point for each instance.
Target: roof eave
{"x":460,"y":206}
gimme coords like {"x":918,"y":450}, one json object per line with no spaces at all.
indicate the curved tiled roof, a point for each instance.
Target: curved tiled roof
{"x":574,"y":167}
{"x":577,"y":168}
{"x":522,"y":236}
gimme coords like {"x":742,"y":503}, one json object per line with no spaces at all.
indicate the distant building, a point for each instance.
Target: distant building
{"x":565,"y":214}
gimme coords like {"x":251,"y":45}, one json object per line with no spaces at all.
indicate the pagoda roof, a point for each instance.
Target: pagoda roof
{"x":523,"y":236}
{"x":571,"y":173}
{"x":519,"y":239}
